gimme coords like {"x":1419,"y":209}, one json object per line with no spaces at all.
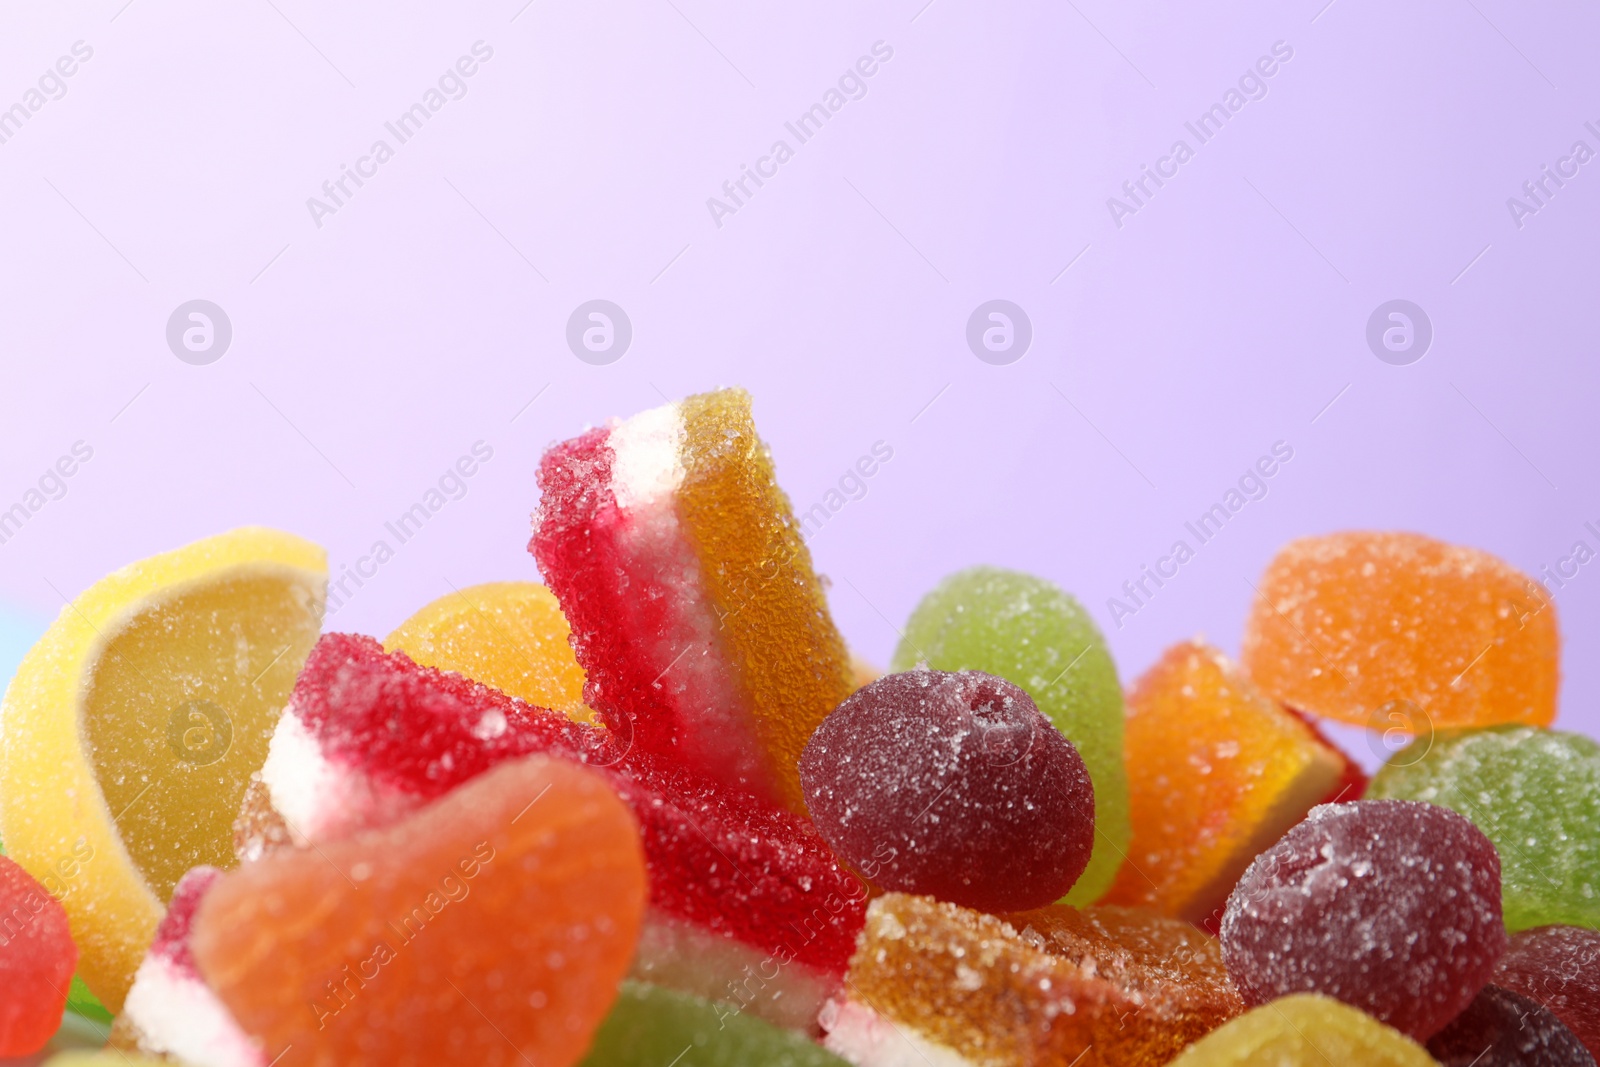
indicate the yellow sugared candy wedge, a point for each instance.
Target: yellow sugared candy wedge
{"x":1305,"y":1030}
{"x":132,"y":727}
{"x":509,"y":635}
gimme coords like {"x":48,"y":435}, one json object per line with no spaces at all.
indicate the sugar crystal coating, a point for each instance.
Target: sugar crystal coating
{"x":952,"y":785}
{"x":1390,"y":906}
{"x":492,"y":926}
{"x":36,"y":961}
{"x":1558,"y":966}
{"x":1217,"y":772}
{"x":677,"y":559}
{"x":1535,"y":793}
{"x":1028,"y":631}
{"x":1505,"y":1029}
{"x":652,"y":1027}
{"x":1110,"y":985}
{"x":1305,"y":1030}
{"x":1353,"y":626}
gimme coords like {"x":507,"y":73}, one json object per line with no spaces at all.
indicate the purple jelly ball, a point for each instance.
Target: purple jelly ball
{"x":1392,"y":906}
{"x":1505,"y":1029}
{"x":952,"y":785}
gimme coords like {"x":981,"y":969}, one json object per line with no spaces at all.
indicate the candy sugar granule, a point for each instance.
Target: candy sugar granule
{"x":1356,"y":626}
{"x":1034,"y":635}
{"x":1217,"y":772}
{"x":1535,"y":793}
{"x":1390,"y":906}
{"x":1305,"y":1030}
{"x":491,"y":927}
{"x":952,"y":785}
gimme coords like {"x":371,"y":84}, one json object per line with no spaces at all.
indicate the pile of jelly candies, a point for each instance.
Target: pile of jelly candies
{"x":653,"y":812}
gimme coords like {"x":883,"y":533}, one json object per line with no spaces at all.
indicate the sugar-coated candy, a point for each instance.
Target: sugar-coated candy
{"x":1505,"y":1029}
{"x":1031,"y":633}
{"x":36,"y":961}
{"x":1391,"y":906}
{"x":508,"y":635}
{"x":694,"y":609}
{"x":1535,"y":793}
{"x":108,"y":1058}
{"x":748,"y":904}
{"x":1558,"y":966}
{"x":1305,"y":1030}
{"x":650,"y":1026}
{"x":170,"y":1012}
{"x":136,"y":722}
{"x":933,"y":982}
{"x":492,"y":927}
{"x":1217,"y":772}
{"x":951,"y":784}
{"x":1356,"y":626}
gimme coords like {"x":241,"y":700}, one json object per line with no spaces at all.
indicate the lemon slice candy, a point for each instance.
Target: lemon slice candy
{"x":130,"y":730}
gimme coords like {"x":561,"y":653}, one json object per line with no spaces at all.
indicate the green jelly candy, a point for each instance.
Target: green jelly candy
{"x":1535,"y":793}
{"x":651,"y":1026}
{"x":1032,"y":634}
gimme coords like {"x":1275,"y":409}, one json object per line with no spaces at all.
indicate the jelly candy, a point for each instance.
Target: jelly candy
{"x":952,"y":785}
{"x":652,"y":1027}
{"x":367,"y":736}
{"x":747,"y":902}
{"x":1505,"y":1029}
{"x":149,"y":701}
{"x":694,"y":608}
{"x":1355,"y":626}
{"x":1558,"y":966}
{"x":508,"y":635}
{"x":36,"y":961}
{"x":492,"y":927}
{"x":1305,"y":1030}
{"x":1032,"y":634}
{"x":1217,"y":772}
{"x":170,"y":1012}
{"x":1388,"y":905}
{"x":1535,"y":793}
{"x":1107,"y":986}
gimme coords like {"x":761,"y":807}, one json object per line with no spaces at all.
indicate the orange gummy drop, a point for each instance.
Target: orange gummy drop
{"x":1101,"y":986}
{"x":1397,"y":630}
{"x":1216,"y":773}
{"x":491,"y":927}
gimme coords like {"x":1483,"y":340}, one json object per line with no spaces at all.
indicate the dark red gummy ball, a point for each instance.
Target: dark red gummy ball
{"x":1505,"y":1029}
{"x":1558,"y":966}
{"x":952,"y":785}
{"x":37,"y":958}
{"x":1392,"y":906}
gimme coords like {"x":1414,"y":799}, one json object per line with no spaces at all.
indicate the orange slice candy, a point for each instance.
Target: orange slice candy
{"x":1397,"y":629}
{"x":491,"y":927}
{"x":1216,"y":773}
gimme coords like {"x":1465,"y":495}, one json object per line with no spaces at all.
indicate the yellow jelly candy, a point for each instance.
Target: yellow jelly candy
{"x":1305,"y":1030}
{"x":509,"y":635}
{"x":133,"y":726}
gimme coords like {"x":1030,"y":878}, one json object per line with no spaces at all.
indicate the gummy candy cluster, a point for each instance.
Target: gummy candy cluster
{"x":654,"y":813}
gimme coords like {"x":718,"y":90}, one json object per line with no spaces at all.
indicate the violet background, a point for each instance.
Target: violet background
{"x":1167,"y":355}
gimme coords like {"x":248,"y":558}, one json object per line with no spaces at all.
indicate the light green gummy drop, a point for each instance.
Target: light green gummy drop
{"x":1032,"y":634}
{"x":650,"y":1026}
{"x":1535,"y":793}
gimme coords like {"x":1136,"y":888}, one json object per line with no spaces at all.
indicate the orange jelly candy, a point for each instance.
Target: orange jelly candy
{"x":1101,"y":986}
{"x":1216,"y":773}
{"x":1397,"y":630}
{"x":491,"y":927}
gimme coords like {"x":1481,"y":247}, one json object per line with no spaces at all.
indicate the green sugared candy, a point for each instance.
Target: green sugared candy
{"x":1535,"y":793}
{"x":651,"y":1026}
{"x":1032,"y":634}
